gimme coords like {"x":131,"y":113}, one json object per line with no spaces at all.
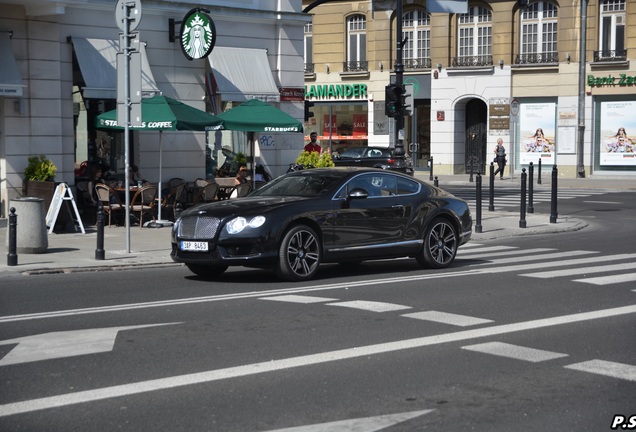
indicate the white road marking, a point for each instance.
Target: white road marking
{"x":607,"y":280}
{"x":603,"y":202}
{"x":372,"y":306}
{"x":606,"y":368}
{"x":299,"y":299}
{"x":576,"y":271}
{"x":293,"y":362}
{"x":488,"y":249}
{"x":548,"y":264}
{"x":475,"y":253}
{"x":53,"y":345}
{"x":367,"y":424}
{"x":447,"y":318}
{"x":514,"y":351}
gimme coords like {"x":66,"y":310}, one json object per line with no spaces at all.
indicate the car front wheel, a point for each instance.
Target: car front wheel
{"x":440,"y":244}
{"x":299,"y":254}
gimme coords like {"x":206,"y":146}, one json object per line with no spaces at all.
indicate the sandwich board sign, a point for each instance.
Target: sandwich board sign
{"x":62,"y":193}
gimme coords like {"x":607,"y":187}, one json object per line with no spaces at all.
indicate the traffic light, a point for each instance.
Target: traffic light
{"x":308,"y":113}
{"x":392,"y":100}
{"x":407,"y":99}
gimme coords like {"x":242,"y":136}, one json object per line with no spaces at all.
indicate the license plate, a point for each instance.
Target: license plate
{"x":194,"y":246}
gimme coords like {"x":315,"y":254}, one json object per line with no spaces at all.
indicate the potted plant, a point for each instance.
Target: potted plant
{"x":39,"y":176}
{"x":314,"y":159}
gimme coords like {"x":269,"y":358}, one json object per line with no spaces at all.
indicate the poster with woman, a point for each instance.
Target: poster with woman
{"x":537,"y":133}
{"x":617,"y":146}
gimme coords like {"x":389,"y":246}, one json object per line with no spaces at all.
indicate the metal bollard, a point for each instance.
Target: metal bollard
{"x":539,"y":175}
{"x":522,"y":220}
{"x":12,"y":255}
{"x":99,"y":251}
{"x":478,"y":227}
{"x":553,"y":196}
{"x":436,"y":182}
{"x":430,"y":164}
{"x":491,"y":199}
{"x":530,"y":188}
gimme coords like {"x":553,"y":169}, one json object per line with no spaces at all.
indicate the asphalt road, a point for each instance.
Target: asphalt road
{"x":527,"y":334}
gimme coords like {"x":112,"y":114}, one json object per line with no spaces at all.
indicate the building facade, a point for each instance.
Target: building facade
{"x":59,"y":72}
{"x":554,"y":81}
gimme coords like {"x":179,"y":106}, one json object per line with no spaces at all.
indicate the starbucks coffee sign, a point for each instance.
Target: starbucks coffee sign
{"x":198,"y":34}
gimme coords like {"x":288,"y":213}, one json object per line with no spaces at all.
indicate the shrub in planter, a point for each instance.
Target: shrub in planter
{"x":40,"y":168}
{"x":314,"y":159}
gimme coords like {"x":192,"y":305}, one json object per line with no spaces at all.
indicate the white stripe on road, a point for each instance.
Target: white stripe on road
{"x":606,"y":368}
{"x":514,"y":351}
{"x":548,"y":264}
{"x":486,"y":249}
{"x":535,"y":256}
{"x":372,"y":306}
{"x":576,"y":271}
{"x":602,"y":202}
{"x":447,"y":318}
{"x":293,"y":362}
{"x":299,"y":299}
{"x":607,"y":280}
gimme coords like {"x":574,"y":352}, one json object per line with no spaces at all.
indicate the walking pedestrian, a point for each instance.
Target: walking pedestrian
{"x":500,"y":158}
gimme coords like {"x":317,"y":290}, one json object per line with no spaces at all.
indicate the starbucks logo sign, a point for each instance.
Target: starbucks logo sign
{"x":198,"y":34}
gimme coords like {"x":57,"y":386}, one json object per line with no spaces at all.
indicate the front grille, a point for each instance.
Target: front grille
{"x":198,"y":228}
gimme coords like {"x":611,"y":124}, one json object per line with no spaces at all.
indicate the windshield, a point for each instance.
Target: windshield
{"x":305,"y":184}
{"x":355,"y":152}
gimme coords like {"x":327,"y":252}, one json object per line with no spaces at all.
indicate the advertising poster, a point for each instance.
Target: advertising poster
{"x":616,"y":144}
{"x":327,"y":129}
{"x":537,"y":133}
{"x":360,"y":125}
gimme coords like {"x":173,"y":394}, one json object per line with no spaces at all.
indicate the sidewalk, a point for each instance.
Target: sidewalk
{"x":70,"y":252}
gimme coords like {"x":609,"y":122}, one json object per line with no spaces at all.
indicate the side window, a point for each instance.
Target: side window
{"x":405,"y":186}
{"x":377,"y":185}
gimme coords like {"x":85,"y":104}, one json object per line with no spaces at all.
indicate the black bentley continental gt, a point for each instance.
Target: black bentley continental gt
{"x":305,"y":218}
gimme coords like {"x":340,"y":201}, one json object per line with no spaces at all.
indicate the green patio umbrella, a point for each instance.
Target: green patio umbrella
{"x":162,"y":113}
{"x":257,"y":116}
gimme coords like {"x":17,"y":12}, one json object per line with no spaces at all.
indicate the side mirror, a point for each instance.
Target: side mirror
{"x":358,"y":193}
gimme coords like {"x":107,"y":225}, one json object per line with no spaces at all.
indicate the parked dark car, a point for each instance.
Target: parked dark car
{"x":374,"y":157}
{"x":305,"y":218}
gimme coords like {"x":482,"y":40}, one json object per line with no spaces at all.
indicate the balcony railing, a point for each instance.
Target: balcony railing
{"x":309,"y":68}
{"x":472,"y":61}
{"x":417,"y":63}
{"x":537,"y":58}
{"x":355,"y":66}
{"x":610,"y":56}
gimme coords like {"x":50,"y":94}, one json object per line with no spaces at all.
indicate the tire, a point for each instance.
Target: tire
{"x":440,"y":244}
{"x":299,"y":254}
{"x":207,"y":271}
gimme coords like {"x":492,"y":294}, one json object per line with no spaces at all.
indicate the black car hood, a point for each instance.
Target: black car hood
{"x":242,"y":206}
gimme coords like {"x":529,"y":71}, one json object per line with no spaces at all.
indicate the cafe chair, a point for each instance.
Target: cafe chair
{"x":109,"y":200}
{"x":143,"y":202}
{"x":175,"y":195}
{"x":208,"y":194}
{"x":240,"y":190}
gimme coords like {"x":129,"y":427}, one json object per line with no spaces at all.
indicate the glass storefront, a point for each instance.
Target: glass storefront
{"x":339,"y":125}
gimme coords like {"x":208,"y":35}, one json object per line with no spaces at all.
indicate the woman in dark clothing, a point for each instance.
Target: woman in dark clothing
{"x":500,"y":156}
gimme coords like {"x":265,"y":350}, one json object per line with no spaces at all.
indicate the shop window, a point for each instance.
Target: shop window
{"x":538,"y":34}
{"x":474,"y":46}
{"x":612,"y":31}
{"x":357,"y":44}
{"x":416,"y":30}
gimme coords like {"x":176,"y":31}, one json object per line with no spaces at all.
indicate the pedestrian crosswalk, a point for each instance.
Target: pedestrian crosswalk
{"x":510,"y":197}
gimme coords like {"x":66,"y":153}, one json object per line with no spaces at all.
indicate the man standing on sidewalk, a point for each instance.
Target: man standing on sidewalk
{"x":500,"y":158}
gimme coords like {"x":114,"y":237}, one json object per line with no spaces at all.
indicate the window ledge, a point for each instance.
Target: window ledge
{"x":609,"y":64}
{"x":536,"y":66}
{"x":469,"y":69}
{"x":355,"y":74}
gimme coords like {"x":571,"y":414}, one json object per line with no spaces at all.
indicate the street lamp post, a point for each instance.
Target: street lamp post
{"x":399,"y":81}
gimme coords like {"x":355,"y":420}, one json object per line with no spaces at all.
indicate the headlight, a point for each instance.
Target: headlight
{"x":238,"y":224}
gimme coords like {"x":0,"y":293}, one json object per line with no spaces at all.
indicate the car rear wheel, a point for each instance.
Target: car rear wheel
{"x":440,"y":244}
{"x":299,"y":254}
{"x":206,"y":271}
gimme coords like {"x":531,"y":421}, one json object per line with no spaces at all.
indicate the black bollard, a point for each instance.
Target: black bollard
{"x":553,"y":196}
{"x":530,"y":188}
{"x":430,"y":164}
{"x":491,"y":198}
{"x":470,"y":179}
{"x":522,"y":220}
{"x":478,"y":204}
{"x":539,"y":175}
{"x":436,"y":182}
{"x":12,"y":255}
{"x":99,"y":251}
